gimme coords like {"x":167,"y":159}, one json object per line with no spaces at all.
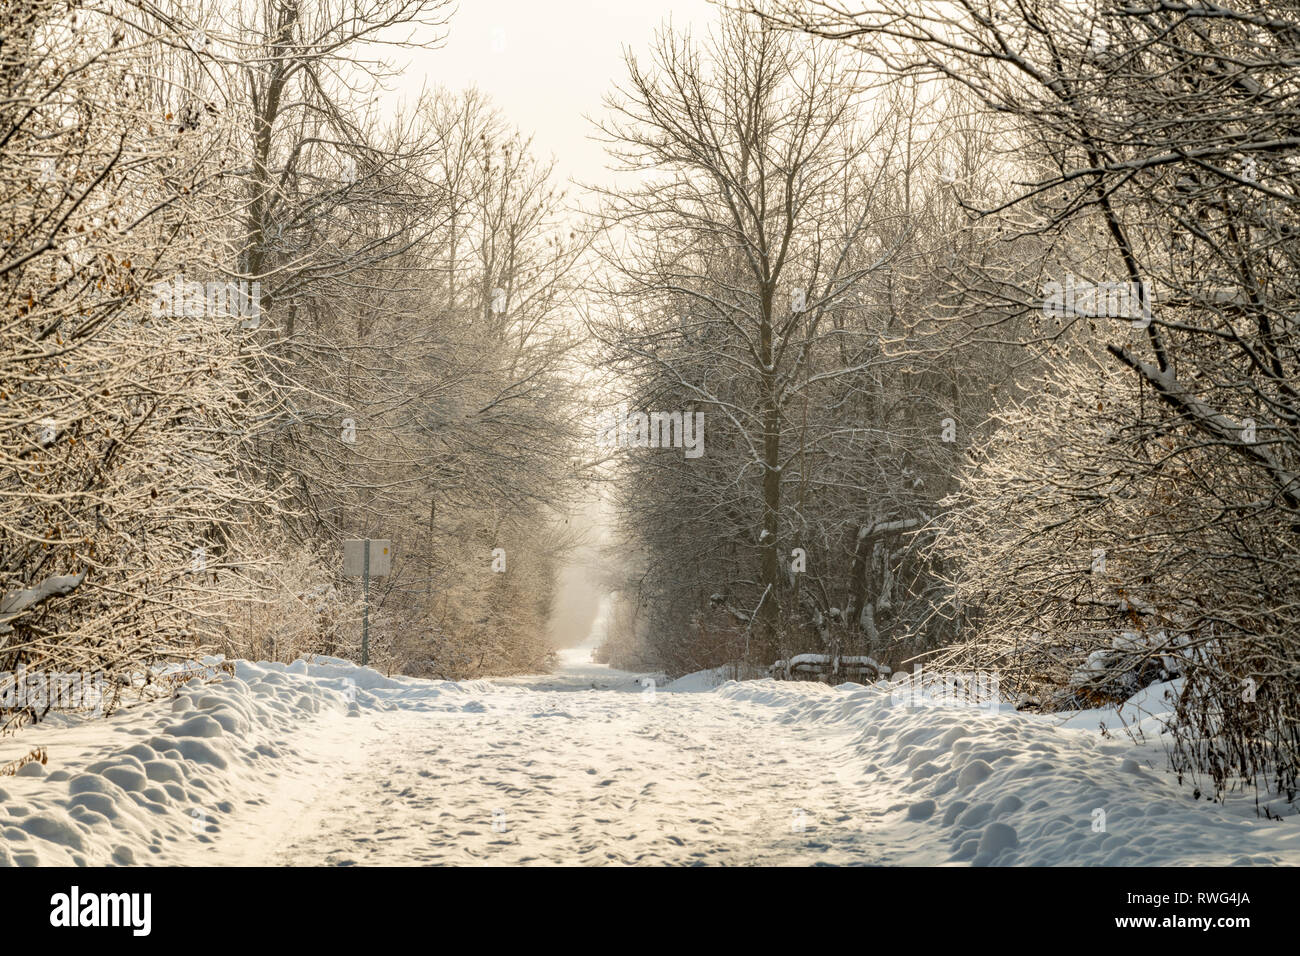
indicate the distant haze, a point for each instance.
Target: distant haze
{"x":547,"y":64}
{"x":581,"y":585}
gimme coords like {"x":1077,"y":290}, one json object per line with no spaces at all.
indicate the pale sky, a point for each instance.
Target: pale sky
{"x":548,"y":63}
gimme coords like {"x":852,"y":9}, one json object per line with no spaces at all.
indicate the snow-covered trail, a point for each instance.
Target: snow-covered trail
{"x":322,"y":762}
{"x":585,"y":766}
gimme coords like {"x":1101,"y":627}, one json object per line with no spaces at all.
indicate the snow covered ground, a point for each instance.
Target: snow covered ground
{"x":330,"y":763}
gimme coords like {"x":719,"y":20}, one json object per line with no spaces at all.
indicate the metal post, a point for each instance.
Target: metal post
{"x":433,"y":507}
{"x":365,"y":614}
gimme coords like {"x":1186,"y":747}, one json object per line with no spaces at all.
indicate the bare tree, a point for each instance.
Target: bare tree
{"x":755,"y":255}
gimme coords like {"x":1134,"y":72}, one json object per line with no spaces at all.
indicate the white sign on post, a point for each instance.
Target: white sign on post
{"x":354,"y":557}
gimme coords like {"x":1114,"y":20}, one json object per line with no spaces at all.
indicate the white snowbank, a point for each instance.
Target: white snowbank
{"x":120,"y":790}
{"x":963,"y":784}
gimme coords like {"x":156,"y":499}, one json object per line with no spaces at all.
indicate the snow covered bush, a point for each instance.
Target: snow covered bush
{"x":293,"y":607}
{"x":1102,"y":548}
{"x":120,"y":423}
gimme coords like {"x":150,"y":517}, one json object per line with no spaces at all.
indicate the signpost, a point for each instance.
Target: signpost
{"x":363,"y":557}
